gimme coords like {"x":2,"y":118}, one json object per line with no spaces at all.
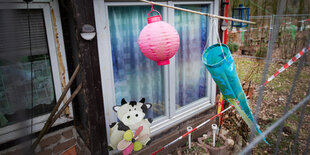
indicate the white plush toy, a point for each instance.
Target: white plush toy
{"x":131,"y":115}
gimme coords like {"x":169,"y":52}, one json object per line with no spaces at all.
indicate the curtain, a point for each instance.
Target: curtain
{"x":191,"y":77}
{"x":135,"y":76}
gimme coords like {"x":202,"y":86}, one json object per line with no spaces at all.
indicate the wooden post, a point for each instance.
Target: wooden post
{"x":89,"y":117}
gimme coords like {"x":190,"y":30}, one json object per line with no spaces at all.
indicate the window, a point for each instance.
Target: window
{"x":26,"y":82}
{"x":134,"y":76}
{"x":178,"y":90}
{"x":30,"y":79}
{"x":191,"y":76}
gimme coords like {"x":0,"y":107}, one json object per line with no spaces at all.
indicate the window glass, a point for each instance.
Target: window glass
{"x":191,"y":79}
{"x":26,"y":84}
{"x":135,"y":76}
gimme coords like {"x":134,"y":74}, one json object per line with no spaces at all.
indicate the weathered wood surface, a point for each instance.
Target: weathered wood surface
{"x":88,"y":109}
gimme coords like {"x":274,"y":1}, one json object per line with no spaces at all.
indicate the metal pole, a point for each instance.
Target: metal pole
{"x":225,"y":32}
{"x":273,"y":126}
{"x":199,"y":13}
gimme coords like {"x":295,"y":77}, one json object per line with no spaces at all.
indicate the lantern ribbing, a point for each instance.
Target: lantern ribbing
{"x":158,"y":40}
{"x":200,"y":13}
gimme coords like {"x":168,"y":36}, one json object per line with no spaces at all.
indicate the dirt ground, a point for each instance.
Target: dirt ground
{"x":272,"y":108}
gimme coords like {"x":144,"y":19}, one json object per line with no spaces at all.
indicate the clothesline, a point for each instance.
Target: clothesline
{"x":200,"y":13}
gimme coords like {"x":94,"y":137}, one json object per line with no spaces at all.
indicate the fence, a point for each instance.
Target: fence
{"x":253,"y":40}
{"x":287,"y":113}
{"x":279,"y":37}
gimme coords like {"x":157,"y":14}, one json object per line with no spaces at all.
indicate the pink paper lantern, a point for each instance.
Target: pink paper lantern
{"x":158,"y":40}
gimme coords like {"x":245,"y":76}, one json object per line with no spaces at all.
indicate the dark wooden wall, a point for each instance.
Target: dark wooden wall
{"x":88,"y":106}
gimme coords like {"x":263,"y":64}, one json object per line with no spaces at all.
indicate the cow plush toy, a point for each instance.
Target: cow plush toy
{"x":131,"y":115}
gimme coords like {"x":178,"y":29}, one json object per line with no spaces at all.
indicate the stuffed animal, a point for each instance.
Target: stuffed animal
{"x":131,"y":115}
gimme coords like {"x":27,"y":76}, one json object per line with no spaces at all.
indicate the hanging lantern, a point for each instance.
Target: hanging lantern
{"x":158,"y":40}
{"x":240,"y":13}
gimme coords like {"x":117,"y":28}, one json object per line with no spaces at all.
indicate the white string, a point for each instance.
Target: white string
{"x":209,"y":36}
{"x":219,"y":40}
{"x":214,"y":25}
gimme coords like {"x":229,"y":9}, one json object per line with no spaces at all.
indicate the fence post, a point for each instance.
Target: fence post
{"x":270,"y":27}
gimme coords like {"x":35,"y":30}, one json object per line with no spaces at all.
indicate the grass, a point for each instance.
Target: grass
{"x":274,"y":100}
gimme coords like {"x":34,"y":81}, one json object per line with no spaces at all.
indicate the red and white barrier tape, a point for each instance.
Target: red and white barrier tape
{"x":184,"y":135}
{"x":288,"y":64}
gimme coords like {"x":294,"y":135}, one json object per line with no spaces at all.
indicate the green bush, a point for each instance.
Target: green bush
{"x":233,"y":47}
{"x":261,"y":52}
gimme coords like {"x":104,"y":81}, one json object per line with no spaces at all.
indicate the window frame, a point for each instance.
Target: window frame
{"x":172,"y":115}
{"x":29,"y":126}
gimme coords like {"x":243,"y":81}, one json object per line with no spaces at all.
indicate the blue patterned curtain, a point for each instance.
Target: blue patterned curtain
{"x":190,"y":71}
{"x":135,"y":76}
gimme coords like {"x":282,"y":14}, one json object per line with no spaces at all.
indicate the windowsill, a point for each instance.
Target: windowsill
{"x":178,"y":118}
{"x":24,"y":128}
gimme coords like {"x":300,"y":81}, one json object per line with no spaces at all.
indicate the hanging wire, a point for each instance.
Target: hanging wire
{"x":31,"y":67}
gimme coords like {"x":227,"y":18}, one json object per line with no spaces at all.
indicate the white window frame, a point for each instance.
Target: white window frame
{"x":172,"y":117}
{"x":35,"y":124}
